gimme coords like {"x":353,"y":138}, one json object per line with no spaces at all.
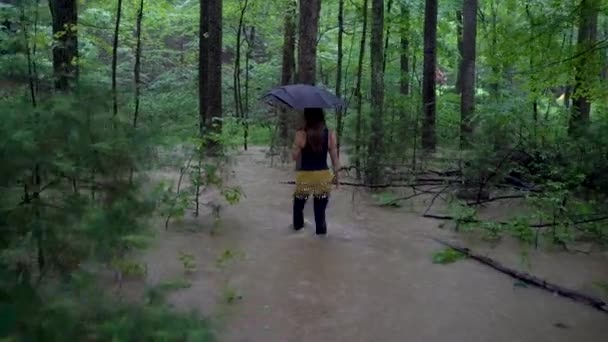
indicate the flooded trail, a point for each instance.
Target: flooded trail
{"x":370,"y":279}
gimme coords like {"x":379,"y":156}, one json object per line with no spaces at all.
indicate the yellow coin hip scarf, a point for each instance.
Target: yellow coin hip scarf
{"x":313,"y":183}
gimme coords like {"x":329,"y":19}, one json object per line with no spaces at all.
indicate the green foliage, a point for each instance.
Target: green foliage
{"x":231,"y":296}
{"x":387,"y":199}
{"x":602,"y":285}
{"x":187,"y":261}
{"x":228,"y":256}
{"x":81,"y":310}
{"x":447,"y":256}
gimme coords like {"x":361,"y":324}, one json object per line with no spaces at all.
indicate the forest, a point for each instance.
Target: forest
{"x":124,"y":120}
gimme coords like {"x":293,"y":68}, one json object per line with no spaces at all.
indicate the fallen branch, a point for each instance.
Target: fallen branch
{"x":497,"y":198}
{"x":584,"y":221}
{"x":531,"y":280}
{"x":435,"y":198}
{"x":538,"y":225}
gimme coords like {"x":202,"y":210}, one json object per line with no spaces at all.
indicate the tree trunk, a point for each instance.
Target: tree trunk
{"x":339,"y":70}
{"x":404,"y":84}
{"x":288,"y":67}
{"x":238,"y":101}
{"x":467,"y":98}
{"x":250,"y":47}
{"x":214,"y":109}
{"x":359,"y":96}
{"x":604,"y":75}
{"x":31,"y":72}
{"x":493,"y":47}
{"x":429,"y":138}
{"x":585,"y":71}
{"x":377,"y":91}
{"x":65,"y":48}
{"x":115,"y":58}
{"x":307,"y":44}
{"x":389,"y":6}
{"x":203,"y":65}
{"x":458,"y":85}
{"x":137,"y":69}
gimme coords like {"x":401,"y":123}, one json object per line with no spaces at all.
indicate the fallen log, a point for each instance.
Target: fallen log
{"x":530,"y":279}
{"x":538,"y":225}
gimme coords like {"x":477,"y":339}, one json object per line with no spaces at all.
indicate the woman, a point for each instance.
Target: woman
{"x":313,"y":178}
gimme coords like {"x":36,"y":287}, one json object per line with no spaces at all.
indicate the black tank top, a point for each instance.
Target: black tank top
{"x":312,"y":161}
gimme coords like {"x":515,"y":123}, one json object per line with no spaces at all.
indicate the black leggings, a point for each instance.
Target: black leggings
{"x":320,"y":204}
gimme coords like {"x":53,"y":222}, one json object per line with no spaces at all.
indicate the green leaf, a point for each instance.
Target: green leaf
{"x":447,"y":256}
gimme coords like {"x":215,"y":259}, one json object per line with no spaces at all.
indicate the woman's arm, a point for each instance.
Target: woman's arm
{"x":298,"y":145}
{"x":333,"y":153}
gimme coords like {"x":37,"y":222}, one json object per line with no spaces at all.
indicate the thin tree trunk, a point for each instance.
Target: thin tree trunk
{"x":287,"y":71}
{"x":459,"y":39}
{"x":137,"y":69}
{"x":115,"y":58}
{"x":65,"y":49}
{"x":28,"y":53}
{"x":238,"y":102}
{"x":404,"y":56}
{"x":339,"y":113}
{"x":376,"y":141}
{"x":214,"y":102}
{"x":250,"y":47}
{"x":203,"y":93}
{"x":467,"y":99}
{"x":604,"y":75}
{"x":389,"y":6}
{"x":493,"y":47}
{"x":358,"y":94}
{"x":203,"y":66}
{"x":307,"y":42}
{"x":585,"y":71}
{"x":429,"y":138}
{"x":532,"y":66}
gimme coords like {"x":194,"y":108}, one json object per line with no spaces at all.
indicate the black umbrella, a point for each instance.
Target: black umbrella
{"x":301,"y":96}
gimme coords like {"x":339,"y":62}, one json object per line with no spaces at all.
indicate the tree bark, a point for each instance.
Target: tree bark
{"x":115,"y":58}
{"x":389,"y":6}
{"x":358,"y":95}
{"x":467,"y":98}
{"x":404,"y":85}
{"x":203,"y":65}
{"x":214,"y":108}
{"x":307,"y":44}
{"x":377,"y":91}
{"x":238,"y":101}
{"x":339,"y":112}
{"x":248,"y":56}
{"x":459,"y":38}
{"x":494,"y":91}
{"x":604,"y":74}
{"x":137,"y":68}
{"x":429,"y":138}
{"x":65,"y":50}
{"x":585,"y":71}
{"x":288,"y":66}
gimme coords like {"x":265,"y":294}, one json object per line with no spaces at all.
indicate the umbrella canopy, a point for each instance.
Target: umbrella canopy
{"x":301,"y":96}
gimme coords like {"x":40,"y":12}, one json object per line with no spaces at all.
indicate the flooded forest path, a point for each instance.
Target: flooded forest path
{"x":371,"y":279}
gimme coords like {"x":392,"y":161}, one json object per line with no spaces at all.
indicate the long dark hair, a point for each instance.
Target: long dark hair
{"x":315,"y":128}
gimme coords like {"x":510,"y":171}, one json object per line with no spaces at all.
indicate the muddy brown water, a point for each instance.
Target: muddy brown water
{"x":370,"y":279}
